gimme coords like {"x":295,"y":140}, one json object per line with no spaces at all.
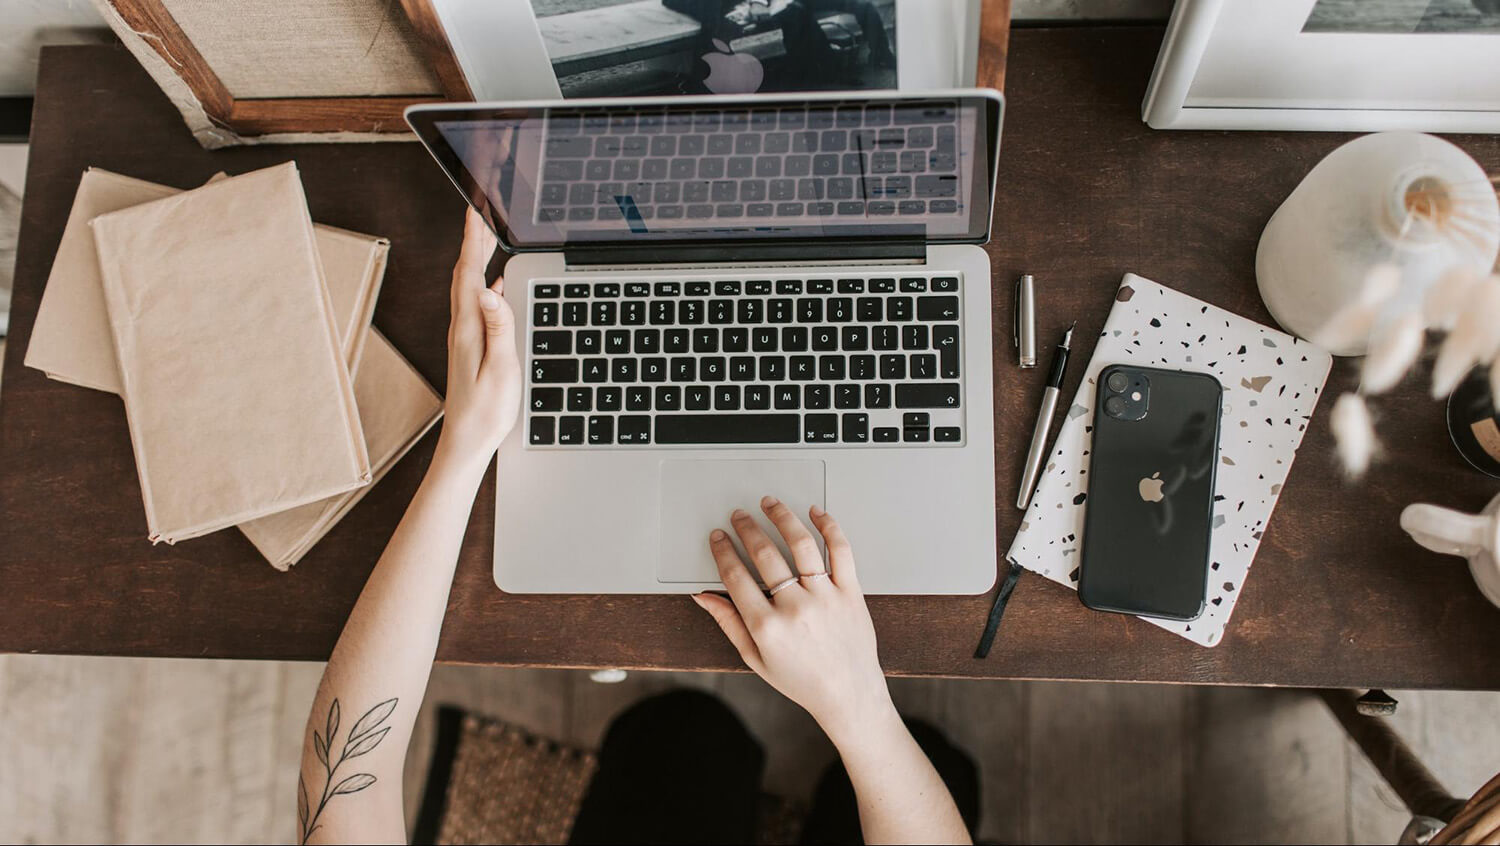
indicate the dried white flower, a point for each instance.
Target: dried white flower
{"x":1393,"y":349}
{"x":1475,"y":338}
{"x":1353,"y":433}
{"x":1349,"y":329}
{"x":1448,"y":297}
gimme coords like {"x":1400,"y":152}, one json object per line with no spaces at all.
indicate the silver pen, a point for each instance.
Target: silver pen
{"x":1038,"y":452}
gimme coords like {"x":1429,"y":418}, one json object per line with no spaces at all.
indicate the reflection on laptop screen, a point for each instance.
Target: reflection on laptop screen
{"x":902,"y":168}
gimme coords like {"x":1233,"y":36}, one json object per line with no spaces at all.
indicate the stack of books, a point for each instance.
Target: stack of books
{"x":238,"y":334}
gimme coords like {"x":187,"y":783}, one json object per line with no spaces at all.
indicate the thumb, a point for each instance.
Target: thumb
{"x":733,"y":626}
{"x":498,"y":321}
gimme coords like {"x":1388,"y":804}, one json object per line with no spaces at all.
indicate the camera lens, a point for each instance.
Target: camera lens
{"x":1117,"y":382}
{"x":1115,"y":406}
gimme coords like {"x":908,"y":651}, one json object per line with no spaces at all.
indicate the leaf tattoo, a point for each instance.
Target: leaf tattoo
{"x":363,"y":738}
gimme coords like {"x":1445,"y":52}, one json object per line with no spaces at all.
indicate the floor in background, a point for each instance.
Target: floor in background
{"x":153,"y":750}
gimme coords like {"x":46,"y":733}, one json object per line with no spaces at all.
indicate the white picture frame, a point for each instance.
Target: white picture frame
{"x":499,"y":46}
{"x":1247,"y":64}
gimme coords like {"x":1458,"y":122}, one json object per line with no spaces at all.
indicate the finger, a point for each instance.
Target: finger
{"x":748,"y":599}
{"x":804,"y":549}
{"x":499,"y":329}
{"x":840,"y":553}
{"x":473,"y":256}
{"x":763,"y":553}
{"x":733,"y":626}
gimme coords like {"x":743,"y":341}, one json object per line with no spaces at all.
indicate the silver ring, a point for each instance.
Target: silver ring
{"x":822,"y":575}
{"x":783,"y":585}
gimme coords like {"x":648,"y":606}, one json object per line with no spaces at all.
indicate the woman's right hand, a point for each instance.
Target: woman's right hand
{"x":813,"y":640}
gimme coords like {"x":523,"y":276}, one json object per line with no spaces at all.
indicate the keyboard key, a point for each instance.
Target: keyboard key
{"x":637,"y":398}
{"x":820,"y":428}
{"x":595,"y":370}
{"x":653,"y":369}
{"x":646,"y":341}
{"x":554,"y":370}
{"x":862,"y":367}
{"x":788,"y":396}
{"x":854,"y":338}
{"x":945,"y":339}
{"x":635,"y":429}
{"x":851,"y":286}
{"x":637,"y":289}
{"x":674,"y":341}
{"x":698,"y":289}
{"x":945,"y":284}
{"x":924,"y":366}
{"x":727,"y":428}
{"x":820,"y":286}
{"x":927,"y":395}
{"x":705,"y":340}
{"x":551,"y":343}
{"x":606,"y":289}
{"x":809,"y":310}
{"x":882,"y":286}
{"x":590,"y":342}
{"x":779,"y":311}
{"x":668,"y":398}
{"x":727,"y":398}
{"x":750,"y":310}
{"x":840,"y":309}
{"x":684,"y":370}
{"x":695,"y":398}
{"x":947,"y":434}
{"x":877,"y":395}
{"x":580,"y":399}
{"x":915,"y":436}
{"x":617,"y":342}
{"x":711,"y":368}
{"x":831,"y":367}
{"x":633,"y":313}
{"x":601,"y":430}
{"x":816,"y":396}
{"x":736,"y":340}
{"x":667,"y":289}
{"x":887,"y":434}
{"x":757,"y":397}
{"x":544,"y":314}
{"x":763,"y":340}
{"x":577,"y":291}
{"x":690,"y":312}
{"x":914,"y":337}
{"x":758,"y":287}
{"x":911,"y":285}
{"x":856,"y":428}
{"x":609,"y":399}
{"x":883,"y":338}
{"x":772,"y":368}
{"x":893,"y":367}
{"x":794,"y":339}
{"x":720,"y":311}
{"x":603,"y":313}
{"x":846,"y":396}
{"x":546,"y":399}
{"x":575,"y":314}
{"x":570,"y":430}
{"x":825,"y":339}
{"x":789,"y":286}
{"x":868,"y":309}
{"x":803,"y":368}
{"x":916,"y":420}
{"x":742,"y":368}
{"x":546,"y":292}
{"x":898,"y":309}
{"x":727,"y":288}
{"x":937,"y":308}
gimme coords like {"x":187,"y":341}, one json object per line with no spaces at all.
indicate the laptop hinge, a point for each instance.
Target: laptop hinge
{"x":656,"y":255}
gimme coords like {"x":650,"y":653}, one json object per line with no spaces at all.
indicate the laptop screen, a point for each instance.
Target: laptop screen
{"x":706,"y":171}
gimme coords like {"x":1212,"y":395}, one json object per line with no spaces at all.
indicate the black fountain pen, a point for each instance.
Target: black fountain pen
{"x":1038,"y":452}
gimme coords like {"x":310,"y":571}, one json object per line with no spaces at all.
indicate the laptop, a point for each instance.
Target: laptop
{"x":722,"y":298}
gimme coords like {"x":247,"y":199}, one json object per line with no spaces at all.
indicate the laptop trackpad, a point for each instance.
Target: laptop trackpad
{"x":696,"y":497}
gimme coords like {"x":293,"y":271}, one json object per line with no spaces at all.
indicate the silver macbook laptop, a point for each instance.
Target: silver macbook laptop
{"x":724,"y":298}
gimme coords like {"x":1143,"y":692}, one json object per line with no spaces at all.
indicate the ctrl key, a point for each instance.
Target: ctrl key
{"x":570,"y":430}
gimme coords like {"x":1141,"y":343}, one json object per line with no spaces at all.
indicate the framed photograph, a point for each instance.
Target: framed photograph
{"x":1332,"y":65}
{"x":546,"y":49}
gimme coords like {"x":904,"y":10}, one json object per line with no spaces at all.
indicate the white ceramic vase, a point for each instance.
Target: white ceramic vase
{"x":1472,"y":536}
{"x":1402,"y":198}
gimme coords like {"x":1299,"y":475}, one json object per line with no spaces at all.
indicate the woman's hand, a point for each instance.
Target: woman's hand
{"x":484,"y":372}
{"x":813,"y":640}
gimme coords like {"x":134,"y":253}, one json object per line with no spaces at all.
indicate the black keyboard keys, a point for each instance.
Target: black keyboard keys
{"x":767,"y":428}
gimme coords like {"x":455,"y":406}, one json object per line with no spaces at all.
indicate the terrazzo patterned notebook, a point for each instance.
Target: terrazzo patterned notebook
{"x":1271,"y":381}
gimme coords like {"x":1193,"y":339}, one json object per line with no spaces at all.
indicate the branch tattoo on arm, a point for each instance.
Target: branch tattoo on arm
{"x":362,"y":738}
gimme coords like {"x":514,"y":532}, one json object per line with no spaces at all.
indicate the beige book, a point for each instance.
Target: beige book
{"x":396,"y":407}
{"x":71,"y":340}
{"x":236,"y":392}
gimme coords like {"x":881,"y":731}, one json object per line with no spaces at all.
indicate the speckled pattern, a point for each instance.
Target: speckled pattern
{"x":1271,"y":381}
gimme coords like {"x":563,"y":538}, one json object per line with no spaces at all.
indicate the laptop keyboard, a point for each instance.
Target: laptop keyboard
{"x":767,"y":361}
{"x":827,"y":163}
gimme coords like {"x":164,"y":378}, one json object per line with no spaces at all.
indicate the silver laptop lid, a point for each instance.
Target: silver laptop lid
{"x":706,"y":173}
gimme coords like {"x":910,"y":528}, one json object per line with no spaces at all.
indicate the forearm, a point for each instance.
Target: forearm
{"x":381,"y":664}
{"x":901,"y":797}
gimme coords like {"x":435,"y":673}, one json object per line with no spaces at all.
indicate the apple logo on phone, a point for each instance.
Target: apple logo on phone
{"x":1151,"y":488}
{"x":730,"y":72}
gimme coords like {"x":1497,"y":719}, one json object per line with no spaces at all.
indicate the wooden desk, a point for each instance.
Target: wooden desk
{"x":1338,"y":597}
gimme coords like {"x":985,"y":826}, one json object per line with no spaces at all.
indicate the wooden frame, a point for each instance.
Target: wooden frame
{"x":270,"y":116}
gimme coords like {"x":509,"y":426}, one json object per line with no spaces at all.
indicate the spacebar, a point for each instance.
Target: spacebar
{"x":728,"y":429}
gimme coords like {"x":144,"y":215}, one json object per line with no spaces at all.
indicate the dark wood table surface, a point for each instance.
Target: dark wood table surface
{"x":1338,"y":595}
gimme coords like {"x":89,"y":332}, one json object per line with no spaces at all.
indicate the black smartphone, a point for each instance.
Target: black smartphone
{"x":1149,"y":510}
